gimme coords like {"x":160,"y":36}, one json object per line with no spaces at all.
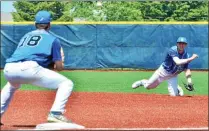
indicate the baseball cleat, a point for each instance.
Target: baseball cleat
{"x":137,"y":84}
{"x":180,"y":91}
{"x":52,"y":118}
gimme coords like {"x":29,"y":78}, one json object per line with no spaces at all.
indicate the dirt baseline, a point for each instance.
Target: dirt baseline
{"x":109,"y":110}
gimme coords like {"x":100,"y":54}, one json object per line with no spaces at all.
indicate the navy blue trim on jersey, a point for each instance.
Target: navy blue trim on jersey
{"x":56,"y":51}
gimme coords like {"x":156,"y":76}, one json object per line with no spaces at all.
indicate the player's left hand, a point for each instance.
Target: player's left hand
{"x":189,"y":86}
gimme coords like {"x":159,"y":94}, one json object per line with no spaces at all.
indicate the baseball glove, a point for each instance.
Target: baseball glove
{"x":51,"y":66}
{"x":189,"y":87}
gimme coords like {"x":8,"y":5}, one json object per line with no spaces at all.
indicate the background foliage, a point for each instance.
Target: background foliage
{"x":114,"y":11}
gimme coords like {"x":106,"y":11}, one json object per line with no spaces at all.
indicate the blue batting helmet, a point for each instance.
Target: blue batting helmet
{"x":43,"y":17}
{"x":182,"y":39}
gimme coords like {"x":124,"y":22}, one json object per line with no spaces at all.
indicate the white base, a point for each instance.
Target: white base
{"x":58,"y":126}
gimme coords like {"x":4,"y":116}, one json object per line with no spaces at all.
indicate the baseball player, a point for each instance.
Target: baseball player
{"x":29,"y":65}
{"x":176,"y":61}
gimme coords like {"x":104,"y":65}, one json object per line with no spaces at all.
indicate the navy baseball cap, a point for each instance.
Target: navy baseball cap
{"x":43,"y":17}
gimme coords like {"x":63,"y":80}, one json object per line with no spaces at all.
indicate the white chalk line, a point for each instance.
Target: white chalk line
{"x":134,"y":129}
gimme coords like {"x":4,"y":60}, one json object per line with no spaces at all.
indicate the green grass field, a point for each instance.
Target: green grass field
{"x":115,"y":81}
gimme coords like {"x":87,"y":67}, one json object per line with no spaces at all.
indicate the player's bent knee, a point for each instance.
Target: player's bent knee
{"x":67,"y":84}
{"x":70,"y":83}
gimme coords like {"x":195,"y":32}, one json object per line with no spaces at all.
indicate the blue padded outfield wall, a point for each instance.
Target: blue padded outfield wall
{"x":91,"y":46}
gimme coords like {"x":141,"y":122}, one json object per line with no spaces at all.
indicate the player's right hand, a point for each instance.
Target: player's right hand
{"x":194,"y":56}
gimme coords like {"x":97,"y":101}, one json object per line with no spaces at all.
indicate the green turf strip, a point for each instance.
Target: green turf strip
{"x":86,"y":81}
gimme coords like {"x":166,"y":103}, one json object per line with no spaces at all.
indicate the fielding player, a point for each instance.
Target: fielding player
{"x":176,"y":61}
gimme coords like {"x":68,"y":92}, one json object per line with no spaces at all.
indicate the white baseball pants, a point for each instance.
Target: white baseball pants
{"x":29,"y":72}
{"x":159,"y":76}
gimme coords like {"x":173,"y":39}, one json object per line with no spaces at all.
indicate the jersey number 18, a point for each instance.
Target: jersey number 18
{"x":34,"y":40}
